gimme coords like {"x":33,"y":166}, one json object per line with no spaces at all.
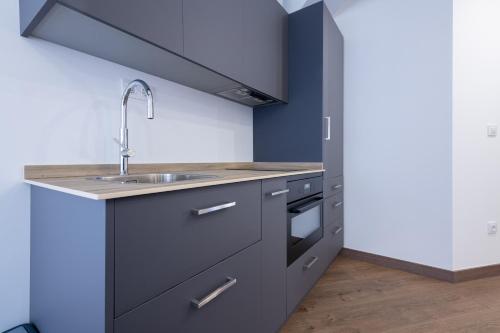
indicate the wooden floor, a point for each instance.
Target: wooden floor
{"x":355,"y":296}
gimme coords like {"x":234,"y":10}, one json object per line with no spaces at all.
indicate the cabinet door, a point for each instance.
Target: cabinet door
{"x":333,"y":97}
{"x":213,"y":35}
{"x":158,"y":22}
{"x":223,"y":299}
{"x":274,"y":233}
{"x":266,"y":48}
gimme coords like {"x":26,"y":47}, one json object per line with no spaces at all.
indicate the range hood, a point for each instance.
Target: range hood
{"x":56,"y":22}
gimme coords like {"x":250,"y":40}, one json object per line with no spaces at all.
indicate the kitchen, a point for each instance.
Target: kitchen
{"x":241,"y":131}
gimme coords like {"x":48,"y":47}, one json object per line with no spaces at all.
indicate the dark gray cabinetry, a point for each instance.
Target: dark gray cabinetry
{"x":309,"y":127}
{"x":333,"y":97}
{"x":333,"y":240}
{"x":333,"y":209}
{"x":274,"y":232}
{"x":244,"y":40}
{"x":217,"y":46}
{"x":213,"y":33}
{"x":158,"y":22}
{"x":71,"y":276}
{"x":265,"y":55}
{"x":303,"y":274}
{"x":160,"y":241}
{"x":237,"y":309}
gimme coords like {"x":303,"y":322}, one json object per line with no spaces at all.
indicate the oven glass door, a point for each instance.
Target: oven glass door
{"x":305,"y":226}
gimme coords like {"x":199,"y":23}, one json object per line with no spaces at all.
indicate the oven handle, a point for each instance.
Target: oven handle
{"x":311,"y":204}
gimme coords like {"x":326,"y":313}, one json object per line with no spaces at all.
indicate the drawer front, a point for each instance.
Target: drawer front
{"x":236,"y":309}
{"x":161,"y":241}
{"x":333,"y":241}
{"x":304,"y":187}
{"x":333,"y":185}
{"x":303,"y":274}
{"x":333,"y":209}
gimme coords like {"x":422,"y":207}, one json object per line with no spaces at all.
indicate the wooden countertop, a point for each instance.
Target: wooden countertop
{"x":77,"y":179}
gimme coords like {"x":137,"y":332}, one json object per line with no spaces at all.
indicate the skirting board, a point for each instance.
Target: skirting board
{"x":428,"y":271}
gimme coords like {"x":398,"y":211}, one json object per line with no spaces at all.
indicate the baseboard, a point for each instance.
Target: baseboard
{"x":477,"y":273}
{"x":410,"y":267}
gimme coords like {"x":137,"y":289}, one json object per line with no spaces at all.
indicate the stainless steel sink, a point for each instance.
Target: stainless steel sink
{"x":153,"y":178}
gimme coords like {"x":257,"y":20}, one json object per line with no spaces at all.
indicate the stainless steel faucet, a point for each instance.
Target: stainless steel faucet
{"x":125,"y":152}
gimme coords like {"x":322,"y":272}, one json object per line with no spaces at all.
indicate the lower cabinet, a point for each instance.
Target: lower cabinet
{"x":302,"y":274}
{"x":225,"y":298}
{"x":333,"y":240}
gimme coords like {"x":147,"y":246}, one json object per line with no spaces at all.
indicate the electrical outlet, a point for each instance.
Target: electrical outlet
{"x":492,"y":130}
{"x":492,"y":228}
{"x":137,"y":93}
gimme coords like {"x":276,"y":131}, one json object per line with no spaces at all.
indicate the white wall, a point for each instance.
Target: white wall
{"x":398,"y":135}
{"x":476,"y":158}
{"x":61,"y":106}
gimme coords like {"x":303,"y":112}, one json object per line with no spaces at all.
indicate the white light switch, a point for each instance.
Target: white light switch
{"x":492,"y":130}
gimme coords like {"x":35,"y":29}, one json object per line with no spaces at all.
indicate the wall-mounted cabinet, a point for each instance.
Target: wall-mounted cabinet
{"x":234,"y":49}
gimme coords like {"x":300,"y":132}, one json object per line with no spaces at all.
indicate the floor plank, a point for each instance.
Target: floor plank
{"x":355,"y":296}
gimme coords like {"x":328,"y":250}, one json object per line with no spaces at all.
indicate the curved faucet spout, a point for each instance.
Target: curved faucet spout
{"x":125,"y":152}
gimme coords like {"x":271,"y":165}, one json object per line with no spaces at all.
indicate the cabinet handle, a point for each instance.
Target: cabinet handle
{"x":310,"y":263}
{"x":204,"y":211}
{"x":336,"y":187}
{"x":214,"y":294}
{"x":328,"y":128}
{"x":273,"y":194}
{"x":337,"y":231}
{"x":338,"y":204}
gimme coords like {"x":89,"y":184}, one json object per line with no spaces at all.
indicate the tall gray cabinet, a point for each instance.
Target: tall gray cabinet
{"x":310,"y":127}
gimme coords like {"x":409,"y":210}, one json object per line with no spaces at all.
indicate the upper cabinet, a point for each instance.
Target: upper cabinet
{"x":213,"y":32}
{"x":265,"y":32}
{"x":235,"y":49}
{"x":159,"y":22}
{"x":244,"y":40}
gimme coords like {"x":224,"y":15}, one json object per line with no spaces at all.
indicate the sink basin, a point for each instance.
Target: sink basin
{"x":153,"y":178}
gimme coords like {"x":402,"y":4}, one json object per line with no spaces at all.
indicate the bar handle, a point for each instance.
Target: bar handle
{"x":328,"y":128}
{"x":310,"y":263}
{"x":214,"y":294}
{"x":276,"y":193}
{"x":311,"y":204}
{"x":204,"y":211}
{"x":338,"y":231}
{"x":338,"y":204}
{"x":336,"y":187}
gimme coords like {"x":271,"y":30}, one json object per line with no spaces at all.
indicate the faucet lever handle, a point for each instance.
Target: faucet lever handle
{"x":127,"y":152}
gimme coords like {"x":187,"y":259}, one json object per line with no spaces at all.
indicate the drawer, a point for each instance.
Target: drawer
{"x":236,"y":309}
{"x":333,"y":209}
{"x":303,"y":274}
{"x":299,"y":188}
{"x":333,"y":241}
{"x":333,"y":185}
{"x":161,"y":241}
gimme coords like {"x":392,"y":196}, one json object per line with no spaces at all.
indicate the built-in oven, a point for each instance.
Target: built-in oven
{"x":305,"y":215}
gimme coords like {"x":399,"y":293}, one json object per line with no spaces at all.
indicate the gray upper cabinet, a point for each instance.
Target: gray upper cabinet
{"x":213,"y":33}
{"x":265,"y":32}
{"x":244,"y":40}
{"x":158,"y":22}
{"x":235,"y":49}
